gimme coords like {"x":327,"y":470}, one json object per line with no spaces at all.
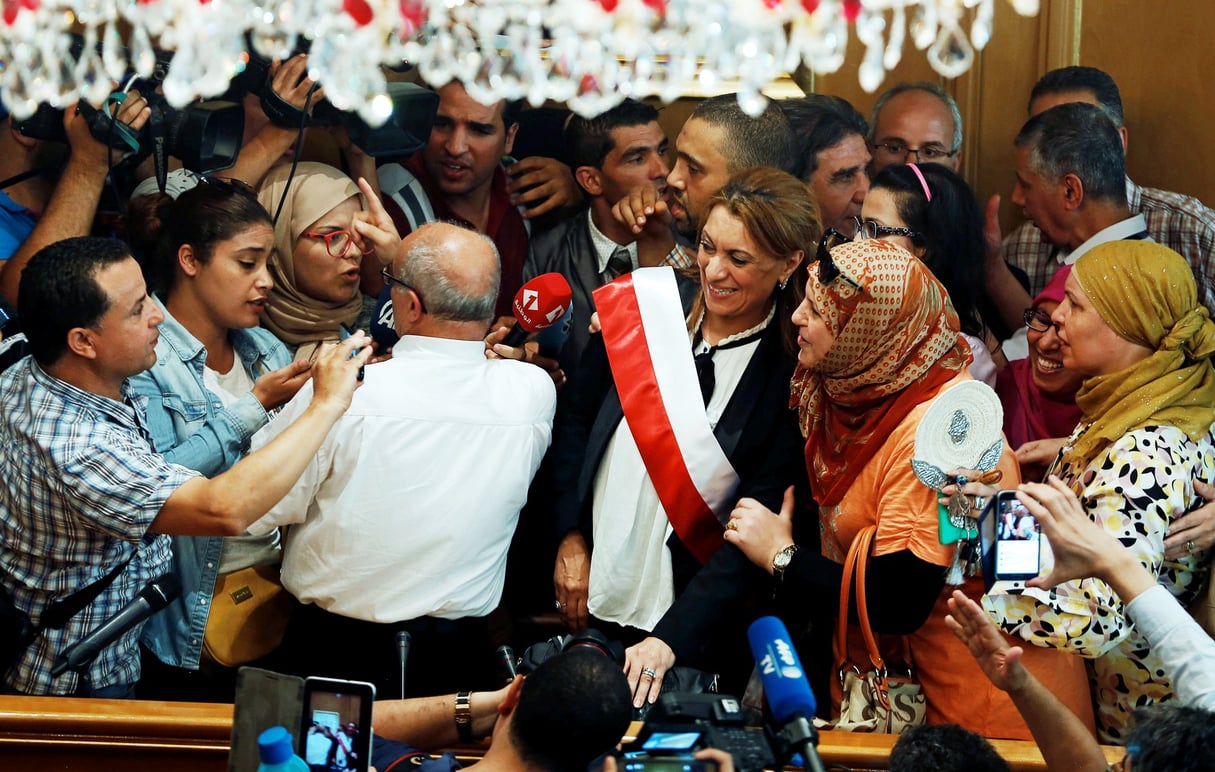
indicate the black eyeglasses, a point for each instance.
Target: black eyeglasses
{"x":828,"y":271}
{"x":388,"y":277}
{"x":1037,"y":319}
{"x":926,"y":154}
{"x":870,"y":229}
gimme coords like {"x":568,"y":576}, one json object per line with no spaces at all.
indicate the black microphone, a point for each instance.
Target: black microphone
{"x":155,"y":595}
{"x":506,"y":662}
{"x":786,"y":689}
{"x":403,"y":641}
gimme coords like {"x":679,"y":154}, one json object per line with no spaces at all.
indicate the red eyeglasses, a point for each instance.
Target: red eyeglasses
{"x":338,"y":243}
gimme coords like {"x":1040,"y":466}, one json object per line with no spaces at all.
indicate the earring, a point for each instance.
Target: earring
{"x":783,"y":282}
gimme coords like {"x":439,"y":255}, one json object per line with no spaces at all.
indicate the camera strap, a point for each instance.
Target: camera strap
{"x":157,"y":128}
{"x":22,"y":177}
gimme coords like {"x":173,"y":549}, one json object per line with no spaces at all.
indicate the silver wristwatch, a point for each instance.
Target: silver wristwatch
{"x":780,"y":561}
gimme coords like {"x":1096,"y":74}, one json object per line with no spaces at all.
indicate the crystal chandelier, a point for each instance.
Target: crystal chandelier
{"x":589,"y":54}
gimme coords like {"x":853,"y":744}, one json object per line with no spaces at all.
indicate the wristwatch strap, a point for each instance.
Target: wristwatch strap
{"x":464,"y":716}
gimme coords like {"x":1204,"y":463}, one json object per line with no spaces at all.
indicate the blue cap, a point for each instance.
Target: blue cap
{"x":274,"y":745}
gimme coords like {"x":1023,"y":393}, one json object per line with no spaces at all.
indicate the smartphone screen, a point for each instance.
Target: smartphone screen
{"x":671,"y":741}
{"x":335,"y":730}
{"x":668,"y":765}
{"x":1018,"y":540}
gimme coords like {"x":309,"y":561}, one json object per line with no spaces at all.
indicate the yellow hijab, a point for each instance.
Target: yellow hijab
{"x":1146,"y":293}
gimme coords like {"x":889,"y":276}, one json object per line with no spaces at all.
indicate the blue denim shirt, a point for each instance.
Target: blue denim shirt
{"x":190,"y":426}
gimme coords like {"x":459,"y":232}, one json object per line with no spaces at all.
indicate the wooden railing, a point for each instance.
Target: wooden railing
{"x":44,"y":733}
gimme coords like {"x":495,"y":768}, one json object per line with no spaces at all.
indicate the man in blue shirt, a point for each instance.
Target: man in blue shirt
{"x":82,"y":489}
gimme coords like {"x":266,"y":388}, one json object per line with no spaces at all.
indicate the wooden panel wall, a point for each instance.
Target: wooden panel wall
{"x":1165,"y":81}
{"x":1161,"y":56}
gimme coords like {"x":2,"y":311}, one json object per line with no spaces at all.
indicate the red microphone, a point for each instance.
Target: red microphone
{"x":540,"y":303}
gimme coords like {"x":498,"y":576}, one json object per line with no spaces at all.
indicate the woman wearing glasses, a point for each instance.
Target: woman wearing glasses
{"x":1132,"y":326}
{"x":878,"y":345}
{"x":217,"y":379}
{"x":642,"y":557}
{"x":1038,"y":393}
{"x":317,"y":255}
{"x":930,"y":211}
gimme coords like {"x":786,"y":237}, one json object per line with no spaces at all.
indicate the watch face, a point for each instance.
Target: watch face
{"x":781,"y":561}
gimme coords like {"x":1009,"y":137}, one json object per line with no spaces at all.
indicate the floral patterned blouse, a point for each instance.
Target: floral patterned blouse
{"x":1134,"y":489}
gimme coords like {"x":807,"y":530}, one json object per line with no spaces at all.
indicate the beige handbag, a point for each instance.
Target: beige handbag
{"x":249,"y":613}
{"x":874,"y":699}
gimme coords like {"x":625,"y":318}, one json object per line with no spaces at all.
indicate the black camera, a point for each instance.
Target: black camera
{"x":404,"y":131}
{"x":680,"y":724}
{"x":205,"y":136}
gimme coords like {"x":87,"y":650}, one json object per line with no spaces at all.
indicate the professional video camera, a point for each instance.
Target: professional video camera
{"x":205,"y":136}
{"x":404,"y":131}
{"x":680,"y":724}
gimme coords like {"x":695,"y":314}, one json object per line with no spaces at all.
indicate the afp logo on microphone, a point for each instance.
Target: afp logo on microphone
{"x":780,"y":656}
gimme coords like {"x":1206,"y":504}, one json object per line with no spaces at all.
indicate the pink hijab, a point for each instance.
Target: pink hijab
{"x":1030,"y":414}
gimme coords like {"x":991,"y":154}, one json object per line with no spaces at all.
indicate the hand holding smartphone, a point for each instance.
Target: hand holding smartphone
{"x":1010,"y":538}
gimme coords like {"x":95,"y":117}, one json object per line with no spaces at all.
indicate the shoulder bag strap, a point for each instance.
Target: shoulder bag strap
{"x":860,"y":545}
{"x":61,"y":611}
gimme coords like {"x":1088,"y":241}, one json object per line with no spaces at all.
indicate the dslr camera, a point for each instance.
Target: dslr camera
{"x":680,"y":724}
{"x":205,"y":136}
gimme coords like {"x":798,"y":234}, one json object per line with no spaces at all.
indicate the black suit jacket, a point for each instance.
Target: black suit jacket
{"x":758,"y":433}
{"x":567,"y":249}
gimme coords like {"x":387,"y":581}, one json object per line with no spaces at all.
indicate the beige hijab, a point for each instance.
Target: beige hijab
{"x":316,"y":188}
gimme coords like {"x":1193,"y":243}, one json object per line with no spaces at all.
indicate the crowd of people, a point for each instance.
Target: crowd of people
{"x":299,"y":371}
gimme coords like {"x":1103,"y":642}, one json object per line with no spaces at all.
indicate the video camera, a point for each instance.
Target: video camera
{"x":680,"y":724}
{"x":205,"y":136}
{"x":405,"y":129}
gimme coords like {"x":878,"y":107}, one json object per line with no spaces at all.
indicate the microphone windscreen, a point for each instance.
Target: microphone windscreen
{"x":542,"y":301}
{"x":780,"y":670}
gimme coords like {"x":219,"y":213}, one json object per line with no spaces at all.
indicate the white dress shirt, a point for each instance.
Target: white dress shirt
{"x":409,"y":507}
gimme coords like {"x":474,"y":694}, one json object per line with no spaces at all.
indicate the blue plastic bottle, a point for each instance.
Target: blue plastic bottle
{"x":274,"y":747}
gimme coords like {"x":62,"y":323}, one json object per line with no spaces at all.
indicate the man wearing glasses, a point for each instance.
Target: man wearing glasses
{"x":402,"y":521}
{"x":915,"y":123}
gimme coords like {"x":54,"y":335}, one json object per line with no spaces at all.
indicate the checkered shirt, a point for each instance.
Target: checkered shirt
{"x":80,"y":485}
{"x":1182,"y":223}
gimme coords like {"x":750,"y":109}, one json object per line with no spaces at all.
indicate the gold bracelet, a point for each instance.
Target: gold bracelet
{"x":464,"y":716}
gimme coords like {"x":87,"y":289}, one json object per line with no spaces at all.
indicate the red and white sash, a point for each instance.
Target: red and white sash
{"x":647,"y":345}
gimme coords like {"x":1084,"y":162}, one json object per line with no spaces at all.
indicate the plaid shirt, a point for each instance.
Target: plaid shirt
{"x":79,"y":488}
{"x":1181,"y":223}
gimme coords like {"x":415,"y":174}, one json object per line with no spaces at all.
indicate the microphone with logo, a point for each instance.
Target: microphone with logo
{"x":540,"y":303}
{"x":155,"y":595}
{"x":788,"y":692}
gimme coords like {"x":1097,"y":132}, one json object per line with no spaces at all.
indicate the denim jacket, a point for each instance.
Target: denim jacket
{"x":190,"y":426}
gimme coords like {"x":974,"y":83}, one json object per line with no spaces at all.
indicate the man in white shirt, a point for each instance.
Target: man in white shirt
{"x":403,"y":519}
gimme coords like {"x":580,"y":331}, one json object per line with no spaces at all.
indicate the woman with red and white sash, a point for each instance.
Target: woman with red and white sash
{"x":699,"y":371}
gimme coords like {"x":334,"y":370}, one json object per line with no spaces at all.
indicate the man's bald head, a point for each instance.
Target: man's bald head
{"x":454,"y":272}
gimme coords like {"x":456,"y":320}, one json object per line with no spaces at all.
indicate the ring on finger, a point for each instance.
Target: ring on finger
{"x":649,"y":672}
{"x":732,"y":525}
{"x":558,"y":605}
{"x":1190,"y":546}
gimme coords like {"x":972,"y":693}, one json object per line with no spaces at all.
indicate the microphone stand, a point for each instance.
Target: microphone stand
{"x":798,"y":735}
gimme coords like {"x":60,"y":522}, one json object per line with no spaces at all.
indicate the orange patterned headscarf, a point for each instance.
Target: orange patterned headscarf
{"x":896,"y":342}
